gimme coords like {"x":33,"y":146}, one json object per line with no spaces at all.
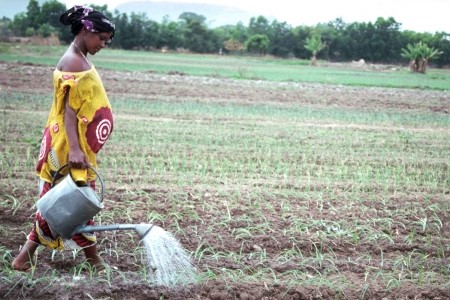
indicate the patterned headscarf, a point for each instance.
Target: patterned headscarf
{"x":84,"y":16}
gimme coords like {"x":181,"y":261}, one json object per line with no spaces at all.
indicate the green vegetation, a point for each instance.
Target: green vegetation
{"x":315,"y":45}
{"x":376,"y":42}
{"x":419,"y":55}
{"x":239,"y":67}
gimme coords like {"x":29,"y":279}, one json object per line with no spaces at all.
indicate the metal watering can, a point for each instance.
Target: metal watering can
{"x":66,"y":205}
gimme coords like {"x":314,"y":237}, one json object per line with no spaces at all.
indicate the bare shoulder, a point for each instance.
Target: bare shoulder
{"x":71,"y":62}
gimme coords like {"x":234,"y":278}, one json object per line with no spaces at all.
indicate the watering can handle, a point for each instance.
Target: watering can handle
{"x":95,"y":171}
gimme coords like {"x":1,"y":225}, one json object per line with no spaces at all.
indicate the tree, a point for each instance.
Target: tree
{"x":315,"y":45}
{"x":134,"y":37}
{"x":50,"y":12}
{"x":36,"y":20}
{"x":281,"y":39}
{"x":103,"y":9}
{"x":192,"y":17}
{"x":49,"y":19}
{"x":5,"y":31}
{"x":46,"y":30}
{"x":259,"y":25}
{"x":19,"y":24}
{"x":239,"y":32}
{"x":233,"y":46}
{"x":196,"y":35}
{"x":257,"y":43}
{"x":300,"y":34}
{"x":419,"y":54}
{"x":151,"y":34}
{"x":170,"y":34}
{"x":33,"y":14}
{"x":121,"y":21}
{"x":385,"y":41}
{"x":441,"y":40}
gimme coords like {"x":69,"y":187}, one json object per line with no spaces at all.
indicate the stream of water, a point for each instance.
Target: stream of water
{"x":169,"y":264}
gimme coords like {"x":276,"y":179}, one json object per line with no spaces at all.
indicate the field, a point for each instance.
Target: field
{"x":279,"y":184}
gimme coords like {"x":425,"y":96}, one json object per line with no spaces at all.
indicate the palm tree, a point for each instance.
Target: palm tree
{"x":419,"y":54}
{"x":315,"y":45}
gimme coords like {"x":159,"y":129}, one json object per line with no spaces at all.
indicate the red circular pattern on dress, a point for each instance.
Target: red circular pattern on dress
{"x":45,"y":149}
{"x":99,"y":129}
{"x":103,"y":131}
{"x":55,"y":128}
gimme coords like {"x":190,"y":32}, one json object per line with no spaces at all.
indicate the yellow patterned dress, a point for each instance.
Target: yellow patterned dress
{"x":87,"y":97}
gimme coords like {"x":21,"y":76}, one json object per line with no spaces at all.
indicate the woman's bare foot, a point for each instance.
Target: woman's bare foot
{"x":25,"y":260}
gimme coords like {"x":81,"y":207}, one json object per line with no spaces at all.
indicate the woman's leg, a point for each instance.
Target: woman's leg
{"x":25,"y":259}
{"x":93,"y":258}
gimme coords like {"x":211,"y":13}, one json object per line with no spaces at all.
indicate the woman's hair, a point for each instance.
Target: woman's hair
{"x":83,"y":16}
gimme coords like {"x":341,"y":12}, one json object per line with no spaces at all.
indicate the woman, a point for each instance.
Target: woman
{"x":79,"y":123}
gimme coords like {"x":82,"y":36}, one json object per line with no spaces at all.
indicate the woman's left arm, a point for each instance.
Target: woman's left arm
{"x":77,"y":158}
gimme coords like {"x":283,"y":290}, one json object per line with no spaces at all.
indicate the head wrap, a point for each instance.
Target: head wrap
{"x":84,"y":16}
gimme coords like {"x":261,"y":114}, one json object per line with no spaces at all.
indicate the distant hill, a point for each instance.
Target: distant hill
{"x":216,"y":15}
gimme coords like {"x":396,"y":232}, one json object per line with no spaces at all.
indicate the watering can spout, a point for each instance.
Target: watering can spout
{"x":143,"y":229}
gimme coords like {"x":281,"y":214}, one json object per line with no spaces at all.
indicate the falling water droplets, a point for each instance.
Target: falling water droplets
{"x":168,"y":262}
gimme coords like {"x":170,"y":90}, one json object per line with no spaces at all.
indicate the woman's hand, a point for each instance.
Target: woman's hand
{"x":77,"y":159}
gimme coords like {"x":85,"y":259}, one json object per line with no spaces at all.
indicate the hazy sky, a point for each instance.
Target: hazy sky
{"x":416,"y":15}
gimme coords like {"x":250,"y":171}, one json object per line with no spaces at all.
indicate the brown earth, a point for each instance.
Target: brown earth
{"x":65,"y":285}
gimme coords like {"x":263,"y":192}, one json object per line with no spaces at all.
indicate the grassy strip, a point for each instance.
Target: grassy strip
{"x":237,"y":67}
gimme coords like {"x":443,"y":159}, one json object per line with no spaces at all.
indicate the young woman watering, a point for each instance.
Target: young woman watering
{"x":79,"y":123}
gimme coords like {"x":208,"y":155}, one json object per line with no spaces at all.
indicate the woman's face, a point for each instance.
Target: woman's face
{"x":96,"y":41}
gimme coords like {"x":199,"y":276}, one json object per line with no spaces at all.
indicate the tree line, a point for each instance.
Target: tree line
{"x":381,"y":41}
